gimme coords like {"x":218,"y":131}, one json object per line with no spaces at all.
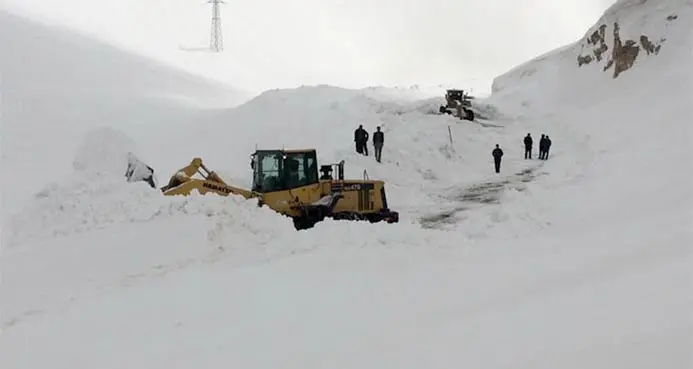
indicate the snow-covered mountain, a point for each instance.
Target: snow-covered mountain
{"x":582,"y":260}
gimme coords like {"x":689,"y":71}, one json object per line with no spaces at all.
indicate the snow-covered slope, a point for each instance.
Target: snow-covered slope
{"x":579,"y":261}
{"x":55,"y":85}
{"x":570,"y":75}
{"x":619,"y":138}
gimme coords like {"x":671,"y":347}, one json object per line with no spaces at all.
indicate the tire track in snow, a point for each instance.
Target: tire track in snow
{"x":477,"y":195}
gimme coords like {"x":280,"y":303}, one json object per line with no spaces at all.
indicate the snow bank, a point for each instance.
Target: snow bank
{"x":98,"y":196}
{"x":104,"y":152}
{"x":57,"y":85}
{"x":81,"y":206}
{"x":403,"y":93}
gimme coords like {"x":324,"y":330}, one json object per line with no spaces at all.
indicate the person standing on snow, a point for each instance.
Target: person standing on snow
{"x":528,"y":146}
{"x":378,"y":141}
{"x":546,"y":149}
{"x":542,"y":147}
{"x":497,"y":155}
{"x":365,"y":142}
{"x":361,"y":139}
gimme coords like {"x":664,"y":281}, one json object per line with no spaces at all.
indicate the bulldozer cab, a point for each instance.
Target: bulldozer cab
{"x":279,"y":170}
{"x":454,"y":98}
{"x":455,"y":95}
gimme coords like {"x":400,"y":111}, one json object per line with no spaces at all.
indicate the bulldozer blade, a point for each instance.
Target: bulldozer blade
{"x":139,"y":171}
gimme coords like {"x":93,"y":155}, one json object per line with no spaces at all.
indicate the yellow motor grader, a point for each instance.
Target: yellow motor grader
{"x":287,"y":181}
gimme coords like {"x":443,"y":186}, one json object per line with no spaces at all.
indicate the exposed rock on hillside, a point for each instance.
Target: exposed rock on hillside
{"x":623,"y":54}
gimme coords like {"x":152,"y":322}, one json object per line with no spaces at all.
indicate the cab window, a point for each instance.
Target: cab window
{"x":301,"y":169}
{"x":276,"y":171}
{"x":268,"y":170}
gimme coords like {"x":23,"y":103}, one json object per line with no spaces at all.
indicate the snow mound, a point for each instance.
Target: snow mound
{"x":99,"y":196}
{"x":58,"y":84}
{"x":104,"y":152}
{"x":81,"y":206}
{"x":325,"y":117}
{"x":402,"y":93}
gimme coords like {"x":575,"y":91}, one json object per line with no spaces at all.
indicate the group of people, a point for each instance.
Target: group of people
{"x":361,"y":140}
{"x":544,"y":146}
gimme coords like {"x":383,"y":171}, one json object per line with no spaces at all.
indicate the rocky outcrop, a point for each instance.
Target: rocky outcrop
{"x":623,"y":53}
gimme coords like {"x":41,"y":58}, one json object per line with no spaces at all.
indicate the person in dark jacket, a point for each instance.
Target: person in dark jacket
{"x":528,"y":146}
{"x":365,"y":142}
{"x":542,"y":146}
{"x":378,"y":141}
{"x":361,"y":139}
{"x":497,"y":155}
{"x":546,"y":149}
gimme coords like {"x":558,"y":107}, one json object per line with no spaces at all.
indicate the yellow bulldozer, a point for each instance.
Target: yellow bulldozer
{"x":287,"y":181}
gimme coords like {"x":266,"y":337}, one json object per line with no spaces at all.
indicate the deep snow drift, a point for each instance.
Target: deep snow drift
{"x":579,"y":261}
{"x":56,"y":85}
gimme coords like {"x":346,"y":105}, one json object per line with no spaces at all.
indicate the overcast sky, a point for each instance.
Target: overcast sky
{"x":279,"y":43}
